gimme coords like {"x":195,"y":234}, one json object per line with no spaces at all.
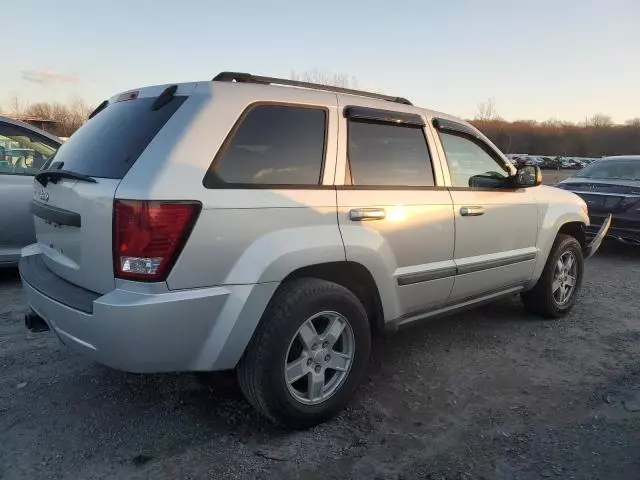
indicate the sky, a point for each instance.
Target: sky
{"x":560,"y":59}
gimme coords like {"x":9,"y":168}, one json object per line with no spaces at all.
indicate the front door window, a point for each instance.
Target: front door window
{"x":470,"y":165}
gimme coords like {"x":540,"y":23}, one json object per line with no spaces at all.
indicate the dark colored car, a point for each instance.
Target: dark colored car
{"x":550,"y":163}
{"x":611,"y":185}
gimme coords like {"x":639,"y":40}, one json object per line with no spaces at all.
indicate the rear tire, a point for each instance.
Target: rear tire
{"x":554,"y":296}
{"x":295,"y":332}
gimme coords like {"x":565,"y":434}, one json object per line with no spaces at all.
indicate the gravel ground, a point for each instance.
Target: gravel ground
{"x":492,"y":393}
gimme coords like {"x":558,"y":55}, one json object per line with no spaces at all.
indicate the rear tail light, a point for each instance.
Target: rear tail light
{"x":148,"y":236}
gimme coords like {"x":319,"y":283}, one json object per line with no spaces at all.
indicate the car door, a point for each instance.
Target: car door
{"x":496,"y":224}
{"x":395,"y":217}
{"x":22,"y":153}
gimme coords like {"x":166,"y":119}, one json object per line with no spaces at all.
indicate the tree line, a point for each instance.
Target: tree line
{"x":591,"y":139}
{"x":68,"y":116}
{"x":597,"y":136}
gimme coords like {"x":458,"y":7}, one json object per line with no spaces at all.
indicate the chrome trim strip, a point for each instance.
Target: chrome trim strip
{"x":495,"y":263}
{"x":448,"y":268}
{"x":419,"y":277}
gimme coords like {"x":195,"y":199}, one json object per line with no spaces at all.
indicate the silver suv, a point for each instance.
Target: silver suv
{"x":271,"y":226}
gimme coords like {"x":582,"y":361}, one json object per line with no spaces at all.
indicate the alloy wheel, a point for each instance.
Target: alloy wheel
{"x":319,"y":357}
{"x":565,"y":277}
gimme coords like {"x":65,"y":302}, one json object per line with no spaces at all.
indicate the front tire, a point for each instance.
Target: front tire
{"x":306,"y":357}
{"x":557,"y":289}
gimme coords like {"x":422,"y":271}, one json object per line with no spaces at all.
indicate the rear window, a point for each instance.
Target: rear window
{"x":272,"y":145}
{"x":110,"y":143}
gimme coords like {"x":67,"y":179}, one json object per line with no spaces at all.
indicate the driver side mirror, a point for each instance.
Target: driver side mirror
{"x":528,"y":176}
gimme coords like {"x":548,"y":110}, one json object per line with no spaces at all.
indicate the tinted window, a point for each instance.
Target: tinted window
{"x":110,"y":143}
{"x":22,"y":151}
{"x":382,"y":154}
{"x":470,"y":165}
{"x":273,"y":145}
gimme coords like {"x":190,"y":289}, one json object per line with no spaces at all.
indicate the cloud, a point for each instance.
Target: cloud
{"x":48,"y":76}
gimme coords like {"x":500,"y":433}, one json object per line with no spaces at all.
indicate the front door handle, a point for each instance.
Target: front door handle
{"x":471,"y":211}
{"x":360,"y":214}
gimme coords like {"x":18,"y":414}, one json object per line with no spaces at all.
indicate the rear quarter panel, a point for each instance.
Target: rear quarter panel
{"x":242,"y":236}
{"x":256,"y":236}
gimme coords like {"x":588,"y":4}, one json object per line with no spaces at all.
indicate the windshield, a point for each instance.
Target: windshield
{"x":612,"y":169}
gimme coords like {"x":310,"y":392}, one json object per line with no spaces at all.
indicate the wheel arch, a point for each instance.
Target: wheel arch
{"x":576,"y":229}
{"x":571,"y":223}
{"x":353,"y":276}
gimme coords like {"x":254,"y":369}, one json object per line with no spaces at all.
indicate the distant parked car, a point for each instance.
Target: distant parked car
{"x":24,"y":150}
{"x":611,"y":185}
{"x":518,"y":159}
{"x":550,"y":163}
{"x":522,"y":160}
{"x":571,"y":164}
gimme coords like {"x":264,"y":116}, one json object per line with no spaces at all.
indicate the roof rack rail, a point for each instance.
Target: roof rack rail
{"x":248,"y":78}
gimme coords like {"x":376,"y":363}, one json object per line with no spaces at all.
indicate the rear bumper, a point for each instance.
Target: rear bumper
{"x":143,"y":332}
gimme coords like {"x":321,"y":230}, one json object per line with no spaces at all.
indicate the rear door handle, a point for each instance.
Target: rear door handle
{"x":359,"y":214}
{"x":471,"y":211}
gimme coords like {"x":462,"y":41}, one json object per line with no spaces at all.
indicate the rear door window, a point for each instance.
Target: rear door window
{"x":384,"y":154}
{"x":110,"y":143}
{"x":272,"y":145}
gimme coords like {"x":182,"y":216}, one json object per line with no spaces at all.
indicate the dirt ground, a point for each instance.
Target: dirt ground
{"x":492,"y":393}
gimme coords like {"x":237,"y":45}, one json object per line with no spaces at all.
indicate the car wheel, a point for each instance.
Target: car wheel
{"x":306,"y":357}
{"x":556,"y":291}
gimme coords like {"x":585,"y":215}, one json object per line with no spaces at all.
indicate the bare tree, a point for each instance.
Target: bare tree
{"x":78,"y":112}
{"x":40,"y":110}
{"x":487,"y":110}
{"x":598,"y":120}
{"x":564,"y":138}
{"x":16,"y":105}
{"x":318,"y":76}
{"x":69,"y":117}
{"x":633,"y":122}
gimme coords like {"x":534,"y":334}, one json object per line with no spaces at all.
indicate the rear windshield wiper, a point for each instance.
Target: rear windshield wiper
{"x":53,"y":175}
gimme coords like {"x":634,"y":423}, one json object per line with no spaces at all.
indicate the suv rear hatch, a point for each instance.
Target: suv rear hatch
{"x":74,"y":196}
